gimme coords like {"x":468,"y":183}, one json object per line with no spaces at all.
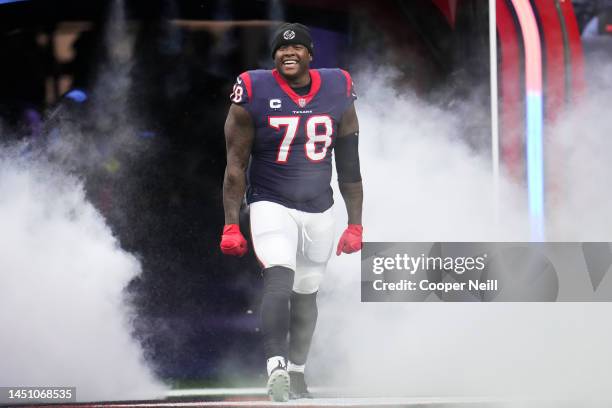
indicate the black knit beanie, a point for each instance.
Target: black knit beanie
{"x":291,"y":33}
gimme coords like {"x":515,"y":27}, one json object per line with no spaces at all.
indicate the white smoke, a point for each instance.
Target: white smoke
{"x":63,"y":313}
{"x":580,"y":164}
{"x":417,"y":170}
{"x":421,"y":183}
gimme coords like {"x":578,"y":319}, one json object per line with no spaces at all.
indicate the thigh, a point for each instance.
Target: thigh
{"x":318,"y":239}
{"x":318,"y":236}
{"x":274,"y":234}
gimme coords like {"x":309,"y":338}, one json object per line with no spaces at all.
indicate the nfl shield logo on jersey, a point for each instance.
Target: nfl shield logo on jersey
{"x":302,"y":102}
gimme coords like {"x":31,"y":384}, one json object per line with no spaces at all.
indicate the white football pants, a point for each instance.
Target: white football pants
{"x":297,"y":240}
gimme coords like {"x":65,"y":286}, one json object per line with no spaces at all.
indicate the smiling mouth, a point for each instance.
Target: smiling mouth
{"x":291,"y":63}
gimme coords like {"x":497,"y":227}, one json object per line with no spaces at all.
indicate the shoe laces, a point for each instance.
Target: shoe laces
{"x":280,"y":366}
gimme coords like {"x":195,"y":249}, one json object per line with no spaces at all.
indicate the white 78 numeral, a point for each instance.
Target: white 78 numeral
{"x":291,"y":124}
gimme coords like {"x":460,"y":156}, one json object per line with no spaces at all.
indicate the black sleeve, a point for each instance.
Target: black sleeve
{"x":347,"y":158}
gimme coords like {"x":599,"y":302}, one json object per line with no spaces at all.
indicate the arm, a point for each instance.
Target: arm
{"x":349,"y":180}
{"x":347,"y":165}
{"x":238,"y":140}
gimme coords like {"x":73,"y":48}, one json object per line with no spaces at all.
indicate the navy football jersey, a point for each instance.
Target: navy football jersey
{"x":291,"y":157}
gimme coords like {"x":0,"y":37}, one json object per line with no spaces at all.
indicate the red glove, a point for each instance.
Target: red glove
{"x":232,"y":241}
{"x":351,"y":239}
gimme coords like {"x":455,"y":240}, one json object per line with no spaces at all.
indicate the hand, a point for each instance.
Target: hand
{"x":351,"y":239}
{"x":232,"y":241}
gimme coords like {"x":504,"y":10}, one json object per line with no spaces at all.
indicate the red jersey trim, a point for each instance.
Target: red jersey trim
{"x":247,"y":83}
{"x":349,"y":82}
{"x":315,"y":77}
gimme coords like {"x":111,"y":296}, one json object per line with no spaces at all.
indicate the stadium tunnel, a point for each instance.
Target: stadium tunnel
{"x":184,"y":73}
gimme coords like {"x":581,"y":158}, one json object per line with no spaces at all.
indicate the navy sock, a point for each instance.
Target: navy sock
{"x":303,"y":321}
{"x":278,"y":282}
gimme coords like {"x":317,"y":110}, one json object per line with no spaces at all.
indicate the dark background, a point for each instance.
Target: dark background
{"x":161,"y":195}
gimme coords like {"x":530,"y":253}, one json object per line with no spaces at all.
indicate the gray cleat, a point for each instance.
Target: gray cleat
{"x":278,"y":384}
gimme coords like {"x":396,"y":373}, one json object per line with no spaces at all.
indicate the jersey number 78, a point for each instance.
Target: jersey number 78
{"x":312,"y":126}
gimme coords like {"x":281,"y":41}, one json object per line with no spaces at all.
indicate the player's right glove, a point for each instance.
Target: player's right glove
{"x":232,"y":241}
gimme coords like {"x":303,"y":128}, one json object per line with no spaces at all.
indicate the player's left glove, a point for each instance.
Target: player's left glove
{"x":232,"y":241}
{"x":351,"y":239}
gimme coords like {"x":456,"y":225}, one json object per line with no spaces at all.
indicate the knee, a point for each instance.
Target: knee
{"x":308,"y":284}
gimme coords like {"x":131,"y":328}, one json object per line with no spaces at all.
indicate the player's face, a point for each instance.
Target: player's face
{"x":292,"y":61}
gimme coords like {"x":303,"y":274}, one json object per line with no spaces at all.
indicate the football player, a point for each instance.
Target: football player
{"x":280,"y":132}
